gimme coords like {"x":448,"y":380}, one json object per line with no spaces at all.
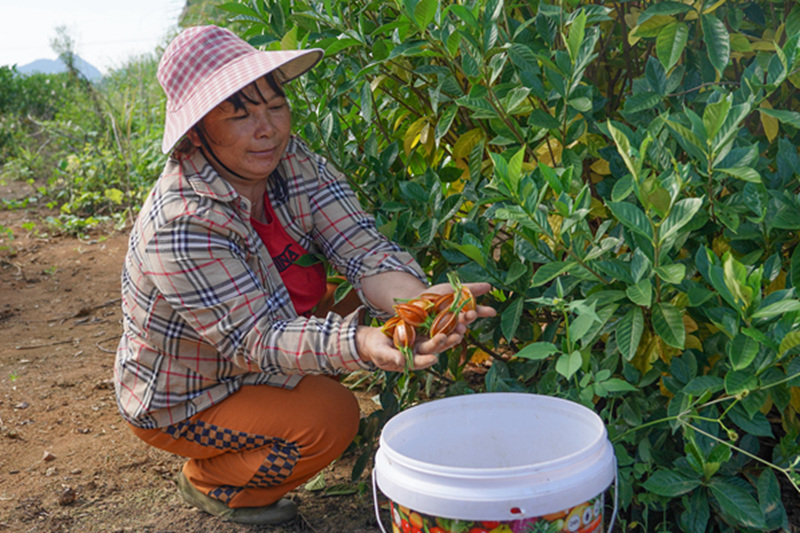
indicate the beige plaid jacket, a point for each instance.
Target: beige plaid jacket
{"x":204,"y":308}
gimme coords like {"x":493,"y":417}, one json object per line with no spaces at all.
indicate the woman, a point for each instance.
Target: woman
{"x":221,"y":359}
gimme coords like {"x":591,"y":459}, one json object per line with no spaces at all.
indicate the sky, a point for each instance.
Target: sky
{"x":105,"y":32}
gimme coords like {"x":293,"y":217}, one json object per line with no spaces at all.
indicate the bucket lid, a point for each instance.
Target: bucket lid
{"x":494,"y":456}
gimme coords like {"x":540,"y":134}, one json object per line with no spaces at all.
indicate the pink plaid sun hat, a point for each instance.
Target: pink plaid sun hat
{"x":204,"y":65}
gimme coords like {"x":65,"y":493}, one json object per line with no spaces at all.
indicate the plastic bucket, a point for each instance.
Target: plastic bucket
{"x":497,"y":462}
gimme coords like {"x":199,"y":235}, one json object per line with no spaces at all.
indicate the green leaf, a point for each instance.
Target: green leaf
{"x":239,"y":9}
{"x":641,"y":293}
{"x":737,"y":381}
{"x":445,"y":121}
{"x":670,"y":43}
{"x":629,"y":332}
{"x":680,"y":215}
{"x":791,"y":340}
{"x":537,"y":350}
{"x":424,"y":12}
{"x":515,"y":271}
{"x":667,"y":323}
{"x":568,"y":364}
{"x":743,"y":173}
{"x":624,"y":149}
{"x":670,"y":483}
{"x":618,"y":385}
{"x":339,"y":45}
{"x":470,"y":250}
{"x":632,"y":217}
{"x":542,"y":119}
{"x":794,"y":273}
{"x":778,"y":308}
{"x":316,"y":483}
{"x":769,"y":498}
{"x":639,"y":102}
{"x":738,"y":504}
{"x":509,"y":320}
{"x":742,"y":350}
{"x":714,"y":116}
{"x":717,"y":40}
{"x":523,"y":57}
{"x":664,"y":8}
{"x":548,"y":271}
{"x":791,"y":118}
{"x":577,"y":32}
{"x":673,"y":273}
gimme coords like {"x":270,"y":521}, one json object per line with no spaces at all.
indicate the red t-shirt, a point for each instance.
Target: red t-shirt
{"x":306,"y":284}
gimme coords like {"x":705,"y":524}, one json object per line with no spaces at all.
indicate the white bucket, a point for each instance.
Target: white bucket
{"x":505,"y":460}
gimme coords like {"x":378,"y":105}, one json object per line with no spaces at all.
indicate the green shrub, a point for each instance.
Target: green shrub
{"x":626,"y":177}
{"x":93,"y":151}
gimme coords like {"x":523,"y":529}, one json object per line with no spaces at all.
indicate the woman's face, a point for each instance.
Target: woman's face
{"x":248,"y":141}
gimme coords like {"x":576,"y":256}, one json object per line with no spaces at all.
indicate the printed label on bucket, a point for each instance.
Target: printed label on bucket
{"x":584,"y":518}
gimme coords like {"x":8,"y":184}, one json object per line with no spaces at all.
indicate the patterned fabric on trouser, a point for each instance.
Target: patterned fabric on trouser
{"x":248,"y":456}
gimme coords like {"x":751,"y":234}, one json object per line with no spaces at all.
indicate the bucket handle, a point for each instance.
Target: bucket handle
{"x":375,"y":500}
{"x":610,"y":522}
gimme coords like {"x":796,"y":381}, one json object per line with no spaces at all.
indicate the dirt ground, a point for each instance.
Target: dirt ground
{"x":67,"y":461}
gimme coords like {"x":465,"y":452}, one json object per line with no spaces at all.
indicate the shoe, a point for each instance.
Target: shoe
{"x":281,"y":511}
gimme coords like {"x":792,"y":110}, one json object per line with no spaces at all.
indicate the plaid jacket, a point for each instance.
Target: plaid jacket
{"x":204,"y":308}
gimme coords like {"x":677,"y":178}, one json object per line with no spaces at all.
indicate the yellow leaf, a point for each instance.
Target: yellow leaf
{"x":713,"y":7}
{"x":764,"y":46}
{"x":693,"y":343}
{"x":767,"y":406}
{"x":720,"y":245}
{"x":480,"y":357}
{"x":466,"y":143}
{"x":411,"y":138}
{"x":795,"y":401}
{"x":601,"y":167}
{"x":651,"y":27}
{"x":777,"y":284}
{"x":289,"y":41}
{"x":401,"y":119}
{"x":647,"y":353}
{"x":115,"y":195}
{"x":664,"y":390}
{"x":740,"y":43}
{"x":423,"y":134}
{"x":597,"y":208}
{"x":689,"y":324}
{"x":694,"y":13}
{"x":549,"y":152}
{"x":376,"y":82}
{"x":770,"y":124}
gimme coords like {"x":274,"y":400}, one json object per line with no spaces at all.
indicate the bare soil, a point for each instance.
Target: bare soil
{"x":67,"y":460}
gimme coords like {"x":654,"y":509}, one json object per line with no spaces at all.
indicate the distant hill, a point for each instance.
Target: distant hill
{"x":54,"y":66}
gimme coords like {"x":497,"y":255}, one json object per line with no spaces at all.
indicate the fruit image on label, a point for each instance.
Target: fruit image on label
{"x":586,"y":517}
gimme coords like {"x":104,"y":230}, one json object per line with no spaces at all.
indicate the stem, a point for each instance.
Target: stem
{"x":784,"y":471}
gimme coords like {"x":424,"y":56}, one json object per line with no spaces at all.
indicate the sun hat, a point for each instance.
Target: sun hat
{"x":204,"y":65}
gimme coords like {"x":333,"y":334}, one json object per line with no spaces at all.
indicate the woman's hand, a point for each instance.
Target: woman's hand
{"x":373,"y":345}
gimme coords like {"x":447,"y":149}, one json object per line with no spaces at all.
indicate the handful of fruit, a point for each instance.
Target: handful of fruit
{"x":429,"y":314}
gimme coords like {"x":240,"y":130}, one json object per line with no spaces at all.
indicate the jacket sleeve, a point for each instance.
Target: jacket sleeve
{"x":348,"y":236}
{"x":211,"y":301}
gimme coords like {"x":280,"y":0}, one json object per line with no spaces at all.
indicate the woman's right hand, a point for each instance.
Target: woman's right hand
{"x":375,"y":347}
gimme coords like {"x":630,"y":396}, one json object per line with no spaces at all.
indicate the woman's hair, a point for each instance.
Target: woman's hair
{"x":239,"y":100}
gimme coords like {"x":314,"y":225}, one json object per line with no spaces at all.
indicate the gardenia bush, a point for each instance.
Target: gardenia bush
{"x":625,"y":175}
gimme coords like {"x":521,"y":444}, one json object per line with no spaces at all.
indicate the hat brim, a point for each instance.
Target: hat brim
{"x":212,"y":91}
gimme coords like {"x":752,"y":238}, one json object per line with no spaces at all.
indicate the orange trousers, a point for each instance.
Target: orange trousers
{"x":262,"y":441}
